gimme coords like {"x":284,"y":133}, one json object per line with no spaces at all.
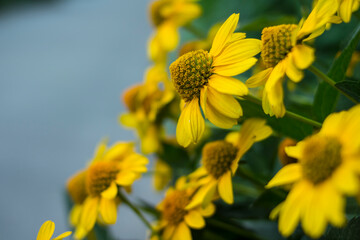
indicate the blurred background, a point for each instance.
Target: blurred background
{"x":64,"y":65}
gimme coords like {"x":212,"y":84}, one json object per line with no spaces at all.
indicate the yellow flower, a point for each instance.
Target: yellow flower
{"x":167,"y":16}
{"x":145,"y":102}
{"x":220,"y":161}
{"x":284,"y":53}
{"x":328,"y":168}
{"x":119,"y":166}
{"x":47,"y":230}
{"x":205,"y":78}
{"x":162,"y":175}
{"x":176,"y":221}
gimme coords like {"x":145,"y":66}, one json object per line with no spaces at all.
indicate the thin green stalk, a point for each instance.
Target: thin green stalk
{"x":329,"y":81}
{"x":137,"y":212}
{"x":288,"y":113}
{"x":195,"y":31}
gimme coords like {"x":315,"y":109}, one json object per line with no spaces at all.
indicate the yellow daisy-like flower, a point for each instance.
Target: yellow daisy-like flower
{"x":145,"y":102}
{"x":328,"y":168}
{"x":205,"y":78}
{"x":220,"y":161}
{"x":167,"y":16}
{"x":284,"y":53}
{"x":119,"y":166}
{"x":47,"y":230}
{"x":176,"y":221}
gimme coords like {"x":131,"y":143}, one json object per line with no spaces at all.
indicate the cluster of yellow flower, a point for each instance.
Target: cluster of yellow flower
{"x":319,"y":172}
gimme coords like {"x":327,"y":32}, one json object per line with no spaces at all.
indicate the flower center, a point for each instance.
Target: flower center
{"x":321,"y":156}
{"x":276,"y":43}
{"x":174,"y":206}
{"x":99,"y":177}
{"x":76,"y":187}
{"x":190,"y":73}
{"x":218,"y":157}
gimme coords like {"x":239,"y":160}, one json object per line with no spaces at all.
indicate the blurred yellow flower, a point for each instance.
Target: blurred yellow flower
{"x":47,"y":230}
{"x":205,"y":78}
{"x":167,"y":16}
{"x":220,"y":161}
{"x":176,"y":221}
{"x":146,"y":104}
{"x":77,"y":191}
{"x":328,"y":168}
{"x":119,"y":166}
{"x":162,"y":174}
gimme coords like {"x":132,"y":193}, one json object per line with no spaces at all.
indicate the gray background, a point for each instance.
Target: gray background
{"x":63,"y":67}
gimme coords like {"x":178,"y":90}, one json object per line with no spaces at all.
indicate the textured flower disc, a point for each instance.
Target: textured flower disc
{"x":99,"y":177}
{"x":276,"y":43}
{"x":190,"y":73}
{"x":174,"y":206}
{"x":321,"y":156}
{"x":218,"y":157}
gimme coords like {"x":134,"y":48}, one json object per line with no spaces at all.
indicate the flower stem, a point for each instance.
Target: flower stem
{"x":137,"y":212}
{"x":288,"y":113}
{"x":329,"y":81}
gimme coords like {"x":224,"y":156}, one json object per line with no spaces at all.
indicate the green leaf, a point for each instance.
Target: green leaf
{"x":350,"y":87}
{"x":351,"y":231}
{"x":326,"y":97}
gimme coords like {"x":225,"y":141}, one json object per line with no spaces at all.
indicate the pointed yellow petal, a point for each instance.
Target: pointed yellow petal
{"x":46,"y":231}
{"x":63,"y":235}
{"x":292,"y":71}
{"x":168,"y":232}
{"x":108,"y":210}
{"x":345,"y":10}
{"x":118,"y":151}
{"x":259,"y":78}
{"x":276,"y":211}
{"x":238,"y":51}
{"x":224,"y":34}
{"x":345,"y":180}
{"x":194,"y":219}
{"x":224,"y":103}
{"x":75,"y":214}
{"x":193,"y":120}
{"x":288,"y":174}
{"x":303,"y":56}
{"x":228,"y":85}
{"x":89,"y":213}
{"x":225,"y":188}
{"x":182,"y":232}
{"x":203,"y":196}
{"x":126,"y":178}
{"x":235,"y":68}
{"x":110,"y":192}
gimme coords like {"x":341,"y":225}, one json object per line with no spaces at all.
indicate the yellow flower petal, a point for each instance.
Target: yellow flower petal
{"x":228,"y":85}
{"x":303,"y":56}
{"x":182,"y":136}
{"x":168,"y":232}
{"x":292,"y":71}
{"x":89,"y":213}
{"x":108,"y":210}
{"x":110,"y":192}
{"x":63,"y":235}
{"x":259,"y":78}
{"x":235,"y":68}
{"x":75,"y":214}
{"x":126,"y":178}
{"x":182,"y":232}
{"x":46,"y":231}
{"x":203,"y":196}
{"x":193,"y":120}
{"x":225,"y":188}
{"x":238,"y":51}
{"x":288,"y":174}
{"x":345,"y":10}
{"x":345,"y":180}
{"x":208,"y":210}
{"x":128,"y":120}
{"x":168,"y":36}
{"x":118,"y":151}
{"x":276,"y":211}
{"x":219,"y":119}
{"x":224,"y":103}
{"x":224,"y":34}
{"x":194,"y":219}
